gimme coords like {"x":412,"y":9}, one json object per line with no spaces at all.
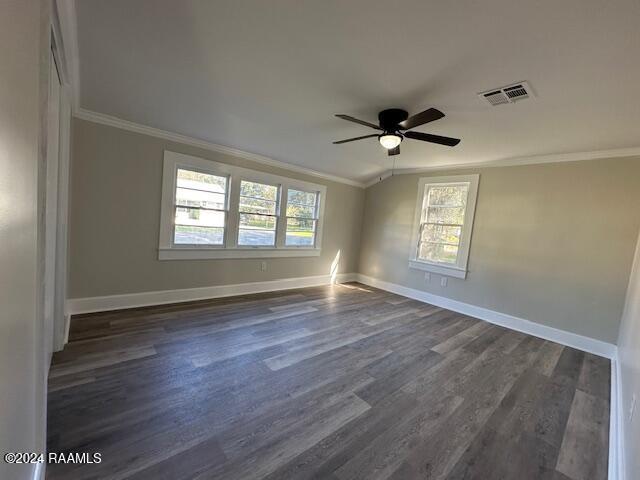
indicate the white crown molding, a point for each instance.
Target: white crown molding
{"x":66,"y":29}
{"x":67,"y":25}
{"x":512,"y":162}
{"x":76,"y":306}
{"x":214,"y":147}
{"x":574,"y":340}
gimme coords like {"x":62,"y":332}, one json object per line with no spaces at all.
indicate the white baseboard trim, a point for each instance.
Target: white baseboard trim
{"x":573,"y":340}
{"x":77,"y":306}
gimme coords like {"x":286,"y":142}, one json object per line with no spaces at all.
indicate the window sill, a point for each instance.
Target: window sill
{"x":456,"y":272}
{"x":221,"y":253}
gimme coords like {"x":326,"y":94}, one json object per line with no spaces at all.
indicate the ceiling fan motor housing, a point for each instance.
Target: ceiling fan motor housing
{"x":390,"y":118}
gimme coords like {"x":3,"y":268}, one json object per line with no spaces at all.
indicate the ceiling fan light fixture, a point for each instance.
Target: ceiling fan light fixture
{"x":390,"y":140}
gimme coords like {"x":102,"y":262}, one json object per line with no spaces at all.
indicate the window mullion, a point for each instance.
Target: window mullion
{"x":233,"y":217}
{"x":281,"y":223}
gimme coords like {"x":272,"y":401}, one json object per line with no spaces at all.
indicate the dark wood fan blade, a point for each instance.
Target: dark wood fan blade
{"x":361,"y":122}
{"x":427,"y":137}
{"x":355,"y":138}
{"x":421,"y":118}
{"x":394,"y":151}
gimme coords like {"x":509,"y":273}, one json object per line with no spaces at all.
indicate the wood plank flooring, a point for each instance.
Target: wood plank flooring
{"x":339,"y":383}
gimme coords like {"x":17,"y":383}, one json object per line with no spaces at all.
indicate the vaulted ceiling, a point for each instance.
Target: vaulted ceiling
{"x":267,"y":77}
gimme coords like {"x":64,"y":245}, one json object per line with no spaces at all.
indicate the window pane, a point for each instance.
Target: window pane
{"x":258,"y":190}
{"x":441,"y":234}
{"x":198,"y":198}
{"x":198,"y":217}
{"x":448,"y":215}
{"x":301,"y":198}
{"x":256,"y":237}
{"x":438,"y":253}
{"x":454,"y":195}
{"x":256,"y":230}
{"x":201,"y":181}
{"x":300,"y":232}
{"x":294,"y":210}
{"x":189,"y":235}
{"x":257,"y":205}
{"x":248,"y":221}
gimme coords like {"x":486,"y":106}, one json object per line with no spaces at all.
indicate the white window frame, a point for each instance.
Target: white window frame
{"x":459,"y":269}
{"x":277,"y":215}
{"x":175,"y":206}
{"x":315,"y":218}
{"x":167,"y":250}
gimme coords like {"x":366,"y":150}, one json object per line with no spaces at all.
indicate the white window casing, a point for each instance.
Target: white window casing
{"x":229,"y":248}
{"x":308,"y":211}
{"x":445,"y":250}
{"x":258,"y":212}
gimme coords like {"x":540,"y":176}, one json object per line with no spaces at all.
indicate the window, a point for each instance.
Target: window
{"x":258,"y":213}
{"x":302,"y":215}
{"x":443,"y":224}
{"x":200,"y":208}
{"x":215,"y":210}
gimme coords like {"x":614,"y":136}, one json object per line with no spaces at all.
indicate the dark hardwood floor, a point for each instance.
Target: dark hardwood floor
{"x":337,"y":383}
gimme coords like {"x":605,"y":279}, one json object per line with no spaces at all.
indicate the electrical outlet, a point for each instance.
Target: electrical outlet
{"x":443,"y":282}
{"x":263,"y":266}
{"x":632,"y":408}
{"x":427,"y":277}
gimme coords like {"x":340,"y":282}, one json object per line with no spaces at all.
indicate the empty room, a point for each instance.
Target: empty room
{"x":340,"y":239}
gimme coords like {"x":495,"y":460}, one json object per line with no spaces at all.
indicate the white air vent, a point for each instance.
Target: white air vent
{"x":509,"y":94}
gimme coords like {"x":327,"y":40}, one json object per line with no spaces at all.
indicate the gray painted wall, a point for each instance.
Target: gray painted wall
{"x":629,"y":358}
{"x":116,"y":185}
{"x":23,"y":71}
{"x":551,"y":243}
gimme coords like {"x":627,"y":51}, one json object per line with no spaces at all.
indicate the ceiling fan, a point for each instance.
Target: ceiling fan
{"x":392,"y":121}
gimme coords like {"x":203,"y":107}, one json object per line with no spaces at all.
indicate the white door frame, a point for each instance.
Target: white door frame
{"x":51,"y":204}
{"x":61,"y":318}
{"x":57,"y":209}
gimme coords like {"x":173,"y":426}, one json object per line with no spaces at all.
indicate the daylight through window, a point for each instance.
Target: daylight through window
{"x":215,"y":210}
{"x":444,"y":219}
{"x":200,"y":208}
{"x":258,"y":213}
{"x":302,"y":214}
{"x":442,"y":222}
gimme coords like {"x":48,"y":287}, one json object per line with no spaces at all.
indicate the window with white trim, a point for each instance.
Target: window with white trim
{"x":215,"y":210}
{"x":200,"y":208}
{"x":443,"y":223}
{"x":302,"y":216}
{"x":259,"y":207}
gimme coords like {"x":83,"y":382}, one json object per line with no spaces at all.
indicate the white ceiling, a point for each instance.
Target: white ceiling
{"x":268,"y":76}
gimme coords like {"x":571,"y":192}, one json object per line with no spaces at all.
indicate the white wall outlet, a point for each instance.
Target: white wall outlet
{"x":427,"y":277}
{"x":632,"y":408}
{"x":263,"y":266}
{"x":443,"y":282}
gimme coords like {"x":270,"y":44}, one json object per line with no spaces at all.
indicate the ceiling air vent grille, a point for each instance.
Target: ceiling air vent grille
{"x":497,"y":97}
{"x":509,"y":94}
